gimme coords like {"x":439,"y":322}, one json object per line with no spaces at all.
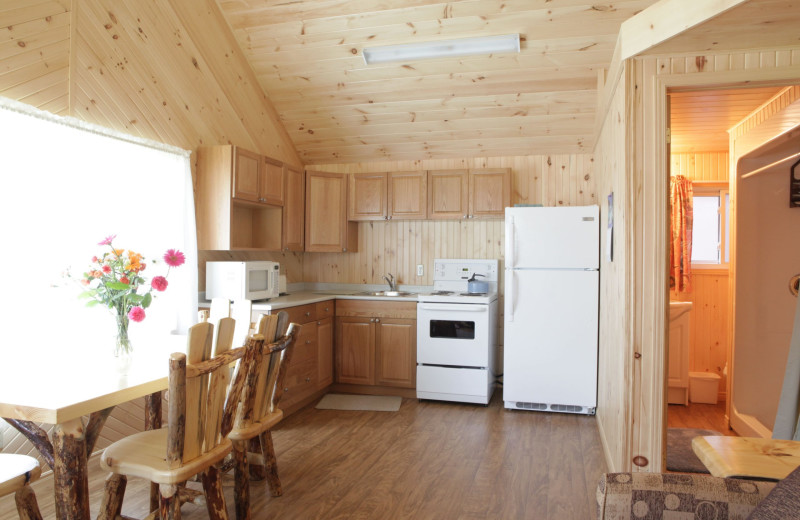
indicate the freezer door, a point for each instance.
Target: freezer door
{"x":562,"y":237}
{"x":550,"y":347}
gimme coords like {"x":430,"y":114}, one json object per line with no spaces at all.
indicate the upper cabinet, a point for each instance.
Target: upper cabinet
{"x":327,"y":227}
{"x":407,"y":195}
{"x":240,"y":198}
{"x":463,"y":194}
{"x":386,"y":196}
{"x":294,"y":209}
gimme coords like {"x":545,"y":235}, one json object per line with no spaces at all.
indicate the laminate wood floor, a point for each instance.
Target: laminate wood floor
{"x":697,"y":415}
{"x":430,"y":460}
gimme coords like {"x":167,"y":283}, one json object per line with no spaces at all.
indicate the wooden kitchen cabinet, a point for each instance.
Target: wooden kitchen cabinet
{"x":294,"y":209}
{"x":237,"y":208}
{"x":310,"y":370}
{"x":327,"y":227}
{"x":376,"y":343}
{"x":465,"y":194}
{"x":386,"y":196}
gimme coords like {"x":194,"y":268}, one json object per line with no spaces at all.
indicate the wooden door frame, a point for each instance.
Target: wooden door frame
{"x":650,"y":158}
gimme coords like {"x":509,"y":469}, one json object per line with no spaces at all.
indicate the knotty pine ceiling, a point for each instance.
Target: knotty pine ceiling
{"x":307,"y":57}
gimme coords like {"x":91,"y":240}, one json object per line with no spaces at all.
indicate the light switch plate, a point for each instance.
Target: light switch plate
{"x":420,"y":270}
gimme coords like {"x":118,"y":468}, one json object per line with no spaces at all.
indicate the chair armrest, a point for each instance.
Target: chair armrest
{"x":643,"y":496}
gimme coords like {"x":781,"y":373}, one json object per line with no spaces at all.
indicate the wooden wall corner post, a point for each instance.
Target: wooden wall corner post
{"x":71,"y":480}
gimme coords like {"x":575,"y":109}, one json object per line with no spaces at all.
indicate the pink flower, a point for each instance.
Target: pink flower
{"x":107,"y":241}
{"x":106,"y":269}
{"x":174,"y":258}
{"x":159,"y":283}
{"x":136,"y":314}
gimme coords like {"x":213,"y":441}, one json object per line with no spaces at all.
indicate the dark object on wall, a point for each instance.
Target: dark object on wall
{"x":794,"y":185}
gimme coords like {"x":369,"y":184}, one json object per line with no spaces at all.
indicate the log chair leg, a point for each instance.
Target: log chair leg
{"x":241,"y":486}
{"x":71,"y":480}
{"x":271,"y":464}
{"x":27,"y":507}
{"x":113,"y":494}
{"x":215,"y":499}
{"x":257,"y":471}
{"x":152,"y":421}
{"x":169,"y":504}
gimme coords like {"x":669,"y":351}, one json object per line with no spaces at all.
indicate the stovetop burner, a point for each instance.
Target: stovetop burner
{"x":473,"y":294}
{"x":442,"y":293}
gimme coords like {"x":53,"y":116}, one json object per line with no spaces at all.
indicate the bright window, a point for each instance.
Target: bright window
{"x":65,"y":185}
{"x":710,"y":227}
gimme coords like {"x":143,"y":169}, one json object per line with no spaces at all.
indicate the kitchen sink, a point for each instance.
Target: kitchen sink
{"x":386,"y":293}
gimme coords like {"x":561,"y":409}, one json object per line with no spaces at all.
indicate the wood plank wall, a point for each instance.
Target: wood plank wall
{"x":34,"y":53}
{"x":709,"y":339}
{"x":145,"y":68}
{"x":615,"y":356}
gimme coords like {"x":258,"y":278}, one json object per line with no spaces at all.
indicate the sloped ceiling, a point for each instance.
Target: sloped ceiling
{"x":308,"y":58}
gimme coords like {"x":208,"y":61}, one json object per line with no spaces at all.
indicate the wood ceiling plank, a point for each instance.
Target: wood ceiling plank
{"x":15,"y":12}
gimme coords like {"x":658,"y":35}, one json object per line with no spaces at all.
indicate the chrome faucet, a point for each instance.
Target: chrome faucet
{"x":390,"y":280}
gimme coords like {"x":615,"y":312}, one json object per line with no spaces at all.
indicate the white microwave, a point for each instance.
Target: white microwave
{"x":242,"y":280}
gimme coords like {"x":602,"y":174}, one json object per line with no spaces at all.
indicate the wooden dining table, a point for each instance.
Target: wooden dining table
{"x":74,"y":387}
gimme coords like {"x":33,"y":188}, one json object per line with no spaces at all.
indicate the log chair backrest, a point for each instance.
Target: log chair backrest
{"x":259,"y":402}
{"x":201,"y":406}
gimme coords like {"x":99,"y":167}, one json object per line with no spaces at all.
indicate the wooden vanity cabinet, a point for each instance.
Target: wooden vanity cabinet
{"x":376,"y":345}
{"x":468,"y":194}
{"x":327,"y":227}
{"x":310,"y":370}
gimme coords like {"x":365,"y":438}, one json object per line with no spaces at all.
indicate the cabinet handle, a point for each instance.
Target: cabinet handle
{"x":344,"y":250}
{"x":308,"y":342}
{"x":389,"y":217}
{"x":286,"y":389}
{"x":308,"y":313}
{"x":465,"y":216}
{"x":319,"y":323}
{"x":372,"y":320}
{"x":377,"y":320}
{"x":308,"y":380}
{"x":327,"y":309}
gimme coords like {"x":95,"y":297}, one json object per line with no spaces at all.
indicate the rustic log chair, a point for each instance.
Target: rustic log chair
{"x":259,"y":412}
{"x":16,"y":473}
{"x":201,"y":412}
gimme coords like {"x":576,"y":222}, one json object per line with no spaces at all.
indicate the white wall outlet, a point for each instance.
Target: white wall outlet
{"x":420,"y":270}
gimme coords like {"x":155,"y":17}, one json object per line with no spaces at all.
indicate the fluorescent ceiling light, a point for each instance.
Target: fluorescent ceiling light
{"x":442,"y":49}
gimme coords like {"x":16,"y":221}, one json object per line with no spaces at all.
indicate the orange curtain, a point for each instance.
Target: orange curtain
{"x":680,"y":251}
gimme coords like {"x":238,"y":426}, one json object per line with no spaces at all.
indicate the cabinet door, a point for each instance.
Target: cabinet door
{"x":294,"y":210}
{"x":246,"y":173}
{"x":355,"y":351}
{"x":396,"y":352}
{"x":327,"y":229}
{"x":367,"y":196}
{"x":448,"y":194}
{"x":408,"y":195}
{"x":490,"y":192}
{"x":271,"y":188}
{"x":301,"y":374}
{"x":324,"y":353}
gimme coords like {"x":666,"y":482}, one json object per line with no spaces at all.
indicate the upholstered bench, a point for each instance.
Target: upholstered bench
{"x":651,"y":496}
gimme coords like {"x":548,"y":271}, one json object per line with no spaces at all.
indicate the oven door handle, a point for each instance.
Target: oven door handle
{"x":456,"y":307}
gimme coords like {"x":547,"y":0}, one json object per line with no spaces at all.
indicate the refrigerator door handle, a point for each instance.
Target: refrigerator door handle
{"x":510,"y":295}
{"x":513,"y":238}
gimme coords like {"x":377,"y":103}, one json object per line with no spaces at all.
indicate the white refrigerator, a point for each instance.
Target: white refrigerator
{"x":552,"y":260}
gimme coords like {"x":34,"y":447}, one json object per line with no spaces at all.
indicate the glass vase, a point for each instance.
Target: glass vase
{"x":123,"y":348}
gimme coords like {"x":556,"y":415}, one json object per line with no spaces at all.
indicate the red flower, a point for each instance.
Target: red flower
{"x":159,"y":283}
{"x":124,"y":279}
{"x":136,"y":314}
{"x":174,"y":258}
{"x":106,"y":269}
{"x":107,"y":241}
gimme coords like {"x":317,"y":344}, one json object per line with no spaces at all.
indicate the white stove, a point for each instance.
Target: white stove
{"x":457,"y":333}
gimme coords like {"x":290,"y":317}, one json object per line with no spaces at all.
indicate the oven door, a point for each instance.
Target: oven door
{"x":453,"y":334}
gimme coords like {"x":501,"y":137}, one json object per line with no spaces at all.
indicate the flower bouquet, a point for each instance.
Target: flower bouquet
{"x":114,"y":280}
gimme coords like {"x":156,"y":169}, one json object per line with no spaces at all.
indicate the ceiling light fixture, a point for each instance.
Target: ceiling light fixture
{"x":442,"y":49}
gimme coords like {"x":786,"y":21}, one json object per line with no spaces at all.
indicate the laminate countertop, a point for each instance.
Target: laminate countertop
{"x":306,"y":296}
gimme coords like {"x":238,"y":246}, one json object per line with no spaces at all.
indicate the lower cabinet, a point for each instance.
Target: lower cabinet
{"x":311,"y":367}
{"x":376,"y":343}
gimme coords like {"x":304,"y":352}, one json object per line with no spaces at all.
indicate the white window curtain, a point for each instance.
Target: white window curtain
{"x":65,"y":185}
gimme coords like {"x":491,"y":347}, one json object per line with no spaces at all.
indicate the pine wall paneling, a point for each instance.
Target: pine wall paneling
{"x":615,"y":356}
{"x":168,"y":71}
{"x":654,"y":75}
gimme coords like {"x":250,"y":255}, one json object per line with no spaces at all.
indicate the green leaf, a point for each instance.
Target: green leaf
{"x":87,"y":294}
{"x":118,"y":286}
{"x":92,"y":303}
{"x":147,"y":300}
